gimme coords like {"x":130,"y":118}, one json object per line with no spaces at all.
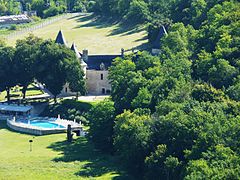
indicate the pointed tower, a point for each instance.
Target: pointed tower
{"x":74,"y":48}
{"x":156,"y":44}
{"x":60,"y":38}
{"x":162,"y":32}
{"x":83,"y":64}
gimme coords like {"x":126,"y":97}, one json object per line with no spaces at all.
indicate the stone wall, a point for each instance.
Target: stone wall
{"x":66,"y":91}
{"x":97,"y":82}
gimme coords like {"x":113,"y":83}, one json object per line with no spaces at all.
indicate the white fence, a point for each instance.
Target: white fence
{"x":38,"y":26}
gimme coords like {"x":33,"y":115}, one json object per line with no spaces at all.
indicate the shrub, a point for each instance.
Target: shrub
{"x":13,"y":27}
{"x":52,"y":11}
{"x":36,"y":18}
{"x":69,"y":109}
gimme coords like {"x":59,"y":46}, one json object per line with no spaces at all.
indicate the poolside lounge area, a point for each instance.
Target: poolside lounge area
{"x":10,"y":110}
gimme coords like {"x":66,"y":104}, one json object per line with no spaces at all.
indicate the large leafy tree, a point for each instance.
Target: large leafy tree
{"x":218,"y":162}
{"x":132,"y":137}
{"x":218,"y":41}
{"x":75,"y":78}
{"x":138,"y":11}
{"x":8,"y":7}
{"x":101,"y":118}
{"x":25,"y":60}
{"x":7,"y":69}
{"x":39,"y":6}
{"x":161,"y":166}
{"x":53,"y":63}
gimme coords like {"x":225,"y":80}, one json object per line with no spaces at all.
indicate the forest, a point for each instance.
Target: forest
{"x":43,"y":8}
{"x":176,"y":115}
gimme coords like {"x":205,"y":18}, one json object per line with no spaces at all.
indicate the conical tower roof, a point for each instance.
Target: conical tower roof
{"x":74,"y":48}
{"x":162,"y":32}
{"x":60,"y":38}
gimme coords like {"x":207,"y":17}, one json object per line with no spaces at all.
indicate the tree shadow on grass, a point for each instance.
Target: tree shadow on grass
{"x":144,"y":38}
{"x":3,"y":125}
{"x":97,"y":164}
{"x":125,"y":29}
{"x":92,"y":20}
{"x":121,"y":28}
{"x":145,"y":46}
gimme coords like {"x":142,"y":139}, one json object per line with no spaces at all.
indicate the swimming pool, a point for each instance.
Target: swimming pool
{"x":42,"y":125}
{"x":45,"y":124}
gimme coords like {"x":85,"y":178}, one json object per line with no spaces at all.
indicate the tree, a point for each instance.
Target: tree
{"x":53,"y":62}
{"x":39,"y":6}
{"x":101,"y":118}
{"x":217,"y":46}
{"x":142,"y":100}
{"x":234,"y":91}
{"x":154,"y":163}
{"x":75,"y":78}
{"x":205,"y":92}
{"x":132,"y":138}
{"x":222,"y":74}
{"x":25,"y":60}
{"x":8,"y":7}
{"x":119,"y":75}
{"x":138,"y":11}
{"x":218,"y":162}
{"x":7,"y":69}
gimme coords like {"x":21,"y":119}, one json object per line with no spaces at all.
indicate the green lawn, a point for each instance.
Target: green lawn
{"x":99,"y":36}
{"x":16,"y":92}
{"x":53,"y":158}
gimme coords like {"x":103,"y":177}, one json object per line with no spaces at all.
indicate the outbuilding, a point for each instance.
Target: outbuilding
{"x":14,"y":109}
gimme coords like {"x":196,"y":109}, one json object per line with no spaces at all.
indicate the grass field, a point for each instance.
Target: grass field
{"x":99,"y":36}
{"x":53,"y":158}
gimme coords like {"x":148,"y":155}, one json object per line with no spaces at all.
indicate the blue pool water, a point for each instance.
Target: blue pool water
{"x":44,"y":124}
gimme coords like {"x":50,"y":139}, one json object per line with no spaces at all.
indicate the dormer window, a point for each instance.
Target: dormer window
{"x":102,"y":66}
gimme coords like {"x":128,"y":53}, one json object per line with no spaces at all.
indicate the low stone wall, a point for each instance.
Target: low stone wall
{"x":30,"y":130}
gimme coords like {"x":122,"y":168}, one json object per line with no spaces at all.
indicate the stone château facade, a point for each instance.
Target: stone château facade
{"x":95,"y":68}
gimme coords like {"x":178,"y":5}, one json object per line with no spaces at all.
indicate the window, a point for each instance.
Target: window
{"x":101,"y":76}
{"x":66,"y":89}
{"x":103,"y":90}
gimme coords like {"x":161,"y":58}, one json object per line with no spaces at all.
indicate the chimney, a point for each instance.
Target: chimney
{"x":122,"y":52}
{"x":85,"y":55}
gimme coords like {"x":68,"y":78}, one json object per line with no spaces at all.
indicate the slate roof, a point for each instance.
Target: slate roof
{"x":78,"y":54}
{"x":162,"y":32}
{"x":94,"y":61}
{"x":60,"y":38}
{"x":14,"y":108}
